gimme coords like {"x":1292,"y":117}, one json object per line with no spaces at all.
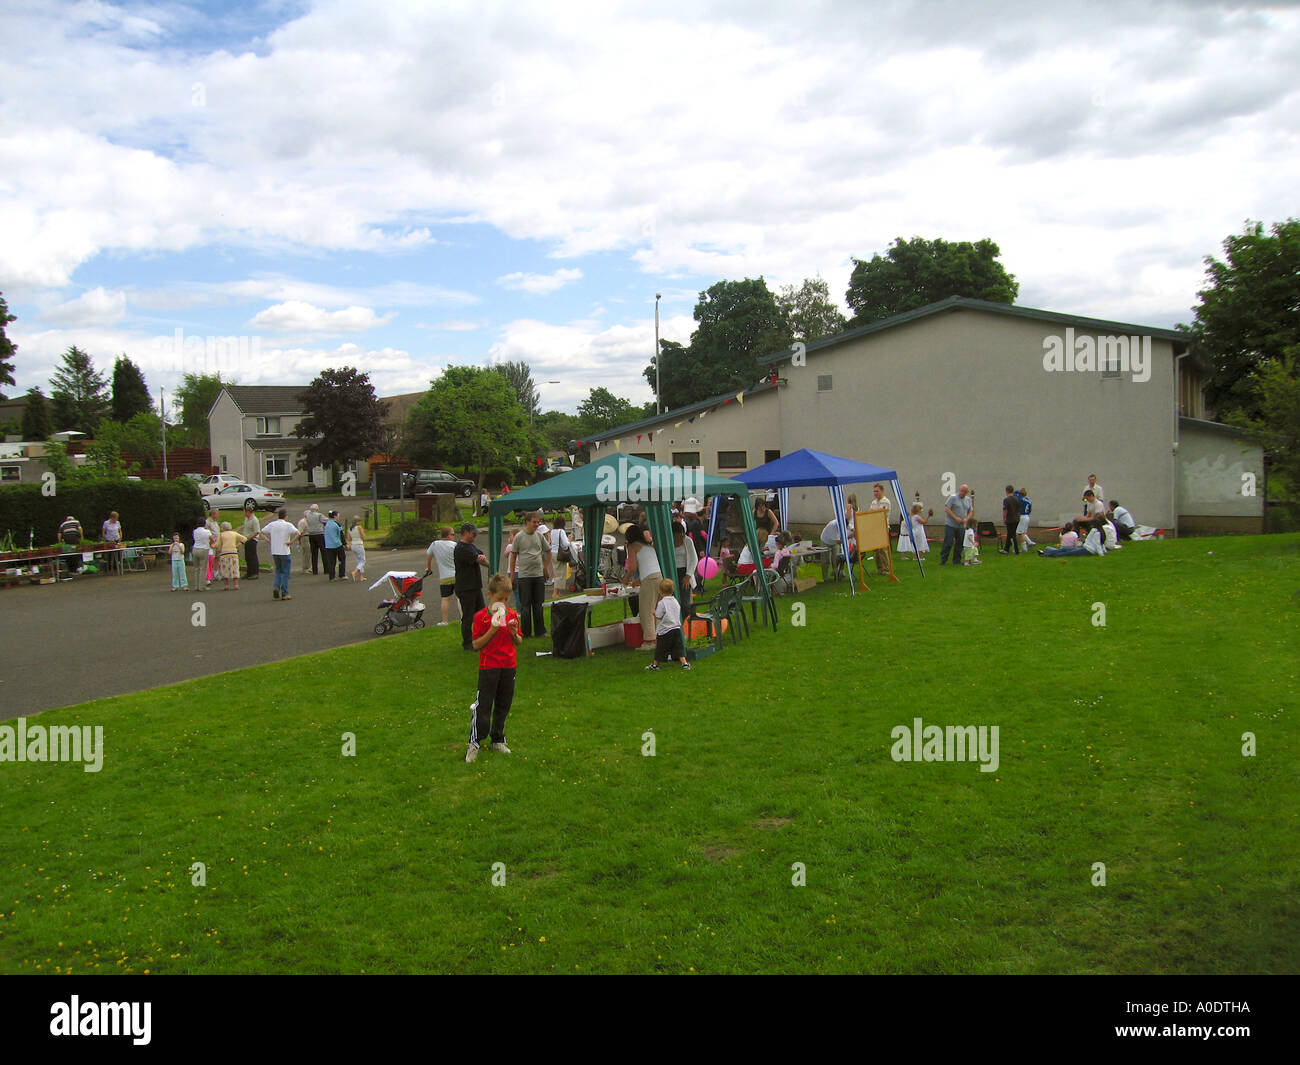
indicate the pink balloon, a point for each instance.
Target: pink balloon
{"x":707,"y":568}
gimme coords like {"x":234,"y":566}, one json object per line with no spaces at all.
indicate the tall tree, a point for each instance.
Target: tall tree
{"x":344,"y":420}
{"x":130,"y":393}
{"x":78,"y":393}
{"x":917,"y":272}
{"x":7,"y":347}
{"x":1249,"y":315}
{"x":810,"y":310}
{"x":603,"y":410}
{"x":740,"y":321}
{"x":521,"y":380}
{"x":469,"y":417}
{"x":1276,"y":428}
{"x":194,"y":398}
{"x":36,"y":415}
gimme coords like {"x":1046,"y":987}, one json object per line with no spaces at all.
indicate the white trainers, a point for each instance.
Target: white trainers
{"x":500,"y":748}
{"x":471,"y":754}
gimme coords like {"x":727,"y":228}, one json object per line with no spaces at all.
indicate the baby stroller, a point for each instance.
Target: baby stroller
{"x":404,"y":609}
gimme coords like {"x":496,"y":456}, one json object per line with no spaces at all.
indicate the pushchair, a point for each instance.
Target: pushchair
{"x":404,"y":609}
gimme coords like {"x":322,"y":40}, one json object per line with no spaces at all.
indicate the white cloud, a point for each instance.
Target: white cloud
{"x":539,"y":284}
{"x":295,"y":316}
{"x":95,"y":307}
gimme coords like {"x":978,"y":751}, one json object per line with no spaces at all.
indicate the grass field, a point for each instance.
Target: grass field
{"x":1119,"y":744}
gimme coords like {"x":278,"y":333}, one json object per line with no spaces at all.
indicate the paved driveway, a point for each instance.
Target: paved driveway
{"x":106,"y":635}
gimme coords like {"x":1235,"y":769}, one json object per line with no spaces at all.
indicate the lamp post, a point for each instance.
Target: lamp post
{"x":658,"y":405}
{"x":162,"y":410}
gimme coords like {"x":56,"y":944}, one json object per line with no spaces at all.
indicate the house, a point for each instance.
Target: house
{"x":251,"y":430}
{"x":966,"y":391}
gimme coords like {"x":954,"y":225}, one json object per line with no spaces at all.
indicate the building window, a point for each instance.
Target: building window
{"x":276,"y":465}
{"x":268,"y":426}
{"x":732,"y":460}
{"x":771,"y":456}
{"x":9,"y":474}
{"x":686,"y":458}
{"x":224,"y":467}
{"x":823,"y":382}
{"x":644,"y":455}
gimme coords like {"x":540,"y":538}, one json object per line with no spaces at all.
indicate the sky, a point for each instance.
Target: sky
{"x":266,"y":190}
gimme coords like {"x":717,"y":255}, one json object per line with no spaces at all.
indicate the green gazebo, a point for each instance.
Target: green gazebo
{"x":625,"y":478}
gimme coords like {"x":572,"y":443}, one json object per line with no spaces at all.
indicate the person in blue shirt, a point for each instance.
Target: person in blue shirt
{"x":1022,"y":530}
{"x":334,"y":547}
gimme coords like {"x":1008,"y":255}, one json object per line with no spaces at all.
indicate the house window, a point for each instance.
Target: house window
{"x":268,"y":426}
{"x":644,"y":455}
{"x":276,"y":465}
{"x":224,"y":467}
{"x":686,"y":458}
{"x":9,"y":474}
{"x":823,"y":382}
{"x":732,"y":460}
{"x":771,"y":456}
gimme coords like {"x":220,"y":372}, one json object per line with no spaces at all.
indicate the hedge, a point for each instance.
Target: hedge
{"x":145,"y":509}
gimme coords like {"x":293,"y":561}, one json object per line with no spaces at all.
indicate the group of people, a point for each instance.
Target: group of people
{"x":71,"y":534}
{"x":216,"y":546}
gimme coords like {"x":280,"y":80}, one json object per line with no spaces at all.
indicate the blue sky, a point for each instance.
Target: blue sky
{"x":406,"y":186}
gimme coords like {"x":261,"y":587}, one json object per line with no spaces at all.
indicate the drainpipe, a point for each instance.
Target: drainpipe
{"x":1177,"y":432}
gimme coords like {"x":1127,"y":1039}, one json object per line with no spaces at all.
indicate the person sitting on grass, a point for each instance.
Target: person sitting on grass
{"x":668,"y":628}
{"x":1093,"y":545}
{"x":496,"y":635}
{"x":1125,"y":523}
{"x":1069,"y":536}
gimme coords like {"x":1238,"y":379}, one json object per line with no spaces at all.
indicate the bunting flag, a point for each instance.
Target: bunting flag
{"x":691,"y":420}
{"x":725,"y":402}
{"x":740,"y":398}
{"x":638,"y":438}
{"x":652,"y":437}
{"x":678,"y":425}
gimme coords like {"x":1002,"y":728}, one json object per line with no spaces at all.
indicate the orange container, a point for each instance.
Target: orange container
{"x":697,"y":627}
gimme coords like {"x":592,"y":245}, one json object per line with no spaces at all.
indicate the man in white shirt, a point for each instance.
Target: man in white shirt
{"x":1096,"y":489}
{"x":442,"y":553}
{"x":281,"y":535}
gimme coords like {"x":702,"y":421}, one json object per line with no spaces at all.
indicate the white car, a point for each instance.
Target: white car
{"x":215,"y":483}
{"x":235,"y":495}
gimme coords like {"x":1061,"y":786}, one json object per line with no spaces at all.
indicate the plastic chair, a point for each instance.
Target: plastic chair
{"x":769,"y":606}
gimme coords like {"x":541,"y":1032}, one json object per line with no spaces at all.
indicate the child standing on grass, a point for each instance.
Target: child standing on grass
{"x":496,"y":635}
{"x":668,"y":628}
{"x":180,"y":581}
{"x":970,"y":555}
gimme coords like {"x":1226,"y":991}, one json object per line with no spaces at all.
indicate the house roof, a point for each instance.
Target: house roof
{"x":678,"y":414}
{"x":267,"y":399}
{"x":962,"y":303}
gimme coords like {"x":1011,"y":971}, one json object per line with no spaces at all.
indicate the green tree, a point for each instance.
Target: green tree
{"x":810,"y":311}
{"x":556,"y":429}
{"x":139,"y":440}
{"x":7,"y":347}
{"x":36,"y":415}
{"x":78,"y":393}
{"x":194,"y":398}
{"x":521,"y":380}
{"x":470,"y":417}
{"x":1249,"y":316}
{"x":740,"y":321}
{"x":344,"y":422}
{"x":917,"y":272}
{"x":603,"y":410}
{"x":130,"y":393}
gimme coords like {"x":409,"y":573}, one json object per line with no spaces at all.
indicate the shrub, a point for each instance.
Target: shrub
{"x":411,"y":534}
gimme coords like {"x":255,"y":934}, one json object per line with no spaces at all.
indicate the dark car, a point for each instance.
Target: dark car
{"x":420,"y":481}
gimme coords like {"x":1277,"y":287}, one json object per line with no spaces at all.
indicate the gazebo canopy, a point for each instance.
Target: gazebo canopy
{"x":617,"y":479}
{"x":809,"y":467}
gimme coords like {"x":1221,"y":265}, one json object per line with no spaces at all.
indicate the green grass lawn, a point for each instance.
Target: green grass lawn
{"x":1119,"y":745}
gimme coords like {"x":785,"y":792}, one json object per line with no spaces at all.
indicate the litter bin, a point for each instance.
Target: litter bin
{"x":632,"y":634}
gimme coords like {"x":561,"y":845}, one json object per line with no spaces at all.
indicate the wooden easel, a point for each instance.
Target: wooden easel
{"x":872,"y":528}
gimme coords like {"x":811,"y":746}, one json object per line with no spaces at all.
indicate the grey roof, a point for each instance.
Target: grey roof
{"x":267,"y":399}
{"x":676,"y":415}
{"x":962,"y":303}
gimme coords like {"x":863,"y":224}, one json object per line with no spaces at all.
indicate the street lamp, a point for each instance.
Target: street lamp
{"x":658,"y":297}
{"x":536,"y":401}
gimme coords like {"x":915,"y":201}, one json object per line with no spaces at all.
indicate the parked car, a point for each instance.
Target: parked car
{"x":215,"y":483}
{"x":234,"y":496}
{"x":420,"y":481}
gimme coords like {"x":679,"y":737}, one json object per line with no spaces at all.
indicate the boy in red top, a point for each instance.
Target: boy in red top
{"x":496,"y":635}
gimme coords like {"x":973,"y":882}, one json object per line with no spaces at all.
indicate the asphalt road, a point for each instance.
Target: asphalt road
{"x":105,"y":635}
